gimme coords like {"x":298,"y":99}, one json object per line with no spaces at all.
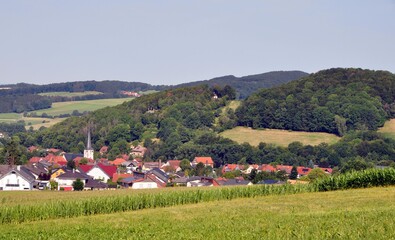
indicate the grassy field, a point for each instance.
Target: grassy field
{"x":89,"y":105}
{"x":352,"y":214}
{"x":60,"y":108}
{"x":388,"y":129}
{"x":69,"y":94}
{"x":277,"y":137}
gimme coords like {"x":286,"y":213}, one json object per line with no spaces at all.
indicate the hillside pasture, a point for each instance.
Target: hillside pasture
{"x":277,"y":137}
{"x":69,"y":94}
{"x":88,"y":105}
{"x":388,"y":129}
{"x":351,"y":214}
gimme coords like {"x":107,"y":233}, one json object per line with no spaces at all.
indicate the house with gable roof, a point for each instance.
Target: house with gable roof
{"x":207,"y":161}
{"x":98,"y":171}
{"x":15,"y":178}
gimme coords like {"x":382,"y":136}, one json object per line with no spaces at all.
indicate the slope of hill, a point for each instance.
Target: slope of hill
{"x":247,"y":85}
{"x":334,"y":101}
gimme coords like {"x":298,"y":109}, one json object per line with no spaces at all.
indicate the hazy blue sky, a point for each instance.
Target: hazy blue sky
{"x":169,"y":42}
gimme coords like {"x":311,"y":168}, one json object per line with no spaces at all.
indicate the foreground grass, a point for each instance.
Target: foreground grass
{"x":352,"y":214}
{"x":278,"y":137}
{"x":388,"y":129}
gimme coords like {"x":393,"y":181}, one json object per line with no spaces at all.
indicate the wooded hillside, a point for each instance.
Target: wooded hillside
{"x":334,"y":101}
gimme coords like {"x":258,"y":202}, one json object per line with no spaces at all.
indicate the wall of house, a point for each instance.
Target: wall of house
{"x":13,"y":181}
{"x":144,"y":185}
{"x":98,"y":174}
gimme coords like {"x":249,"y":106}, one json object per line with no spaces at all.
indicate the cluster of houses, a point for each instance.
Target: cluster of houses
{"x":130,"y":94}
{"x":122,"y":172}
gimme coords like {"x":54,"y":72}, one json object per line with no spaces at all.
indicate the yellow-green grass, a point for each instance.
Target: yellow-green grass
{"x":278,"y":137}
{"x":11,"y":198}
{"x":352,"y":214}
{"x":88,"y":105}
{"x":35,"y":122}
{"x":69,"y":94}
{"x":388,"y":129}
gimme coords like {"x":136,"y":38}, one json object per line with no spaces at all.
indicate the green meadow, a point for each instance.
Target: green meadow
{"x":277,"y":137}
{"x":351,"y":214}
{"x":69,"y":94}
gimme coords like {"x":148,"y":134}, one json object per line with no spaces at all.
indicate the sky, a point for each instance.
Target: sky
{"x":171,"y":42}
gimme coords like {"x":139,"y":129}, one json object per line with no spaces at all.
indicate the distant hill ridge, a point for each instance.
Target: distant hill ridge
{"x":244,"y":85}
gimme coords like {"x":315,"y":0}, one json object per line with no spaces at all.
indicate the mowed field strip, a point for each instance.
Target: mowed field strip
{"x":61,"y":108}
{"x":88,"y":105}
{"x":70,"y":94}
{"x":351,"y":214}
{"x":388,"y":129}
{"x":277,"y":137}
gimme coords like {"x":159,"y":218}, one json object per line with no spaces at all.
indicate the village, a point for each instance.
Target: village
{"x":54,"y":172}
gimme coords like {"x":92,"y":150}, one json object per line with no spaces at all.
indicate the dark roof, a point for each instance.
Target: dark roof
{"x":180,"y":180}
{"x":71,"y":156}
{"x":160,"y":174}
{"x":130,"y":179}
{"x":93,"y":183}
{"x":6,"y":169}
{"x":231,"y":182}
{"x":270,"y":181}
{"x":73,"y":175}
{"x":34,"y":169}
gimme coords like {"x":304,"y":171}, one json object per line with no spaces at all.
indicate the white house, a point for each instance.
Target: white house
{"x":16,"y":179}
{"x":66,"y":179}
{"x":146,"y":183}
{"x":99,"y":171}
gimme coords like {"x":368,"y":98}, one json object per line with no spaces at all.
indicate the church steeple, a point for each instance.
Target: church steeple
{"x":88,"y":152}
{"x":88,"y":142}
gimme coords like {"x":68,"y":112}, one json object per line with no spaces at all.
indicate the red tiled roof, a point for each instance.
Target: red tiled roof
{"x":232,"y":167}
{"x":327,"y":170}
{"x":77,"y":160}
{"x":32,"y":148}
{"x":174,"y":163}
{"x":103,"y":149}
{"x":86,"y":168}
{"x":204,"y":160}
{"x":267,"y":168}
{"x":117,"y":161}
{"x":107,"y":169}
{"x":303,"y":170}
{"x":34,"y":160}
{"x":285,"y":168}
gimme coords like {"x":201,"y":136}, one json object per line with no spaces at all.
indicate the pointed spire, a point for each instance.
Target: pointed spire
{"x":88,"y":143}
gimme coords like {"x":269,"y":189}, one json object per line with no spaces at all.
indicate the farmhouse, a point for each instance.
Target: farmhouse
{"x":15,"y":178}
{"x":98,"y":171}
{"x":207,"y":161}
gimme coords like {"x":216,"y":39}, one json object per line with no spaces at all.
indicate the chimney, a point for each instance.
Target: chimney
{"x":18,"y":167}
{"x":160,"y":163}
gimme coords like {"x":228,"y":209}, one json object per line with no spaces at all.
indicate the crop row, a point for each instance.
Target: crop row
{"x":111,"y":204}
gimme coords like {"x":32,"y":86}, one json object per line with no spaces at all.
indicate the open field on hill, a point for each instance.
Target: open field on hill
{"x":351,"y":214}
{"x":88,"y":105}
{"x":277,"y":137}
{"x":60,"y":108}
{"x":388,"y":129}
{"x":69,"y":94}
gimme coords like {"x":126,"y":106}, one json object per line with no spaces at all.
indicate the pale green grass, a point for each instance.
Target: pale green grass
{"x":353,"y":214}
{"x":88,"y":105}
{"x":148,"y":92}
{"x":388,"y":129}
{"x":69,"y":94}
{"x":277,"y":137}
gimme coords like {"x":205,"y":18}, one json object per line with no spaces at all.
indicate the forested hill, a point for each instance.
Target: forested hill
{"x":334,"y":101}
{"x":174,"y":116}
{"x":247,"y":85}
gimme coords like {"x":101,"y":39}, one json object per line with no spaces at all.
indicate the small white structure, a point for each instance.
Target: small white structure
{"x":146,"y":183}
{"x":16,"y":179}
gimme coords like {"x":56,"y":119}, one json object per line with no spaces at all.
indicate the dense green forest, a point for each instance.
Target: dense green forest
{"x":23,"y":97}
{"x":23,"y":103}
{"x":334,"y":101}
{"x":247,"y":85}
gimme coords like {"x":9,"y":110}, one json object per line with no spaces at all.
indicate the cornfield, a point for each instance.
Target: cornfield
{"x":119,"y":203}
